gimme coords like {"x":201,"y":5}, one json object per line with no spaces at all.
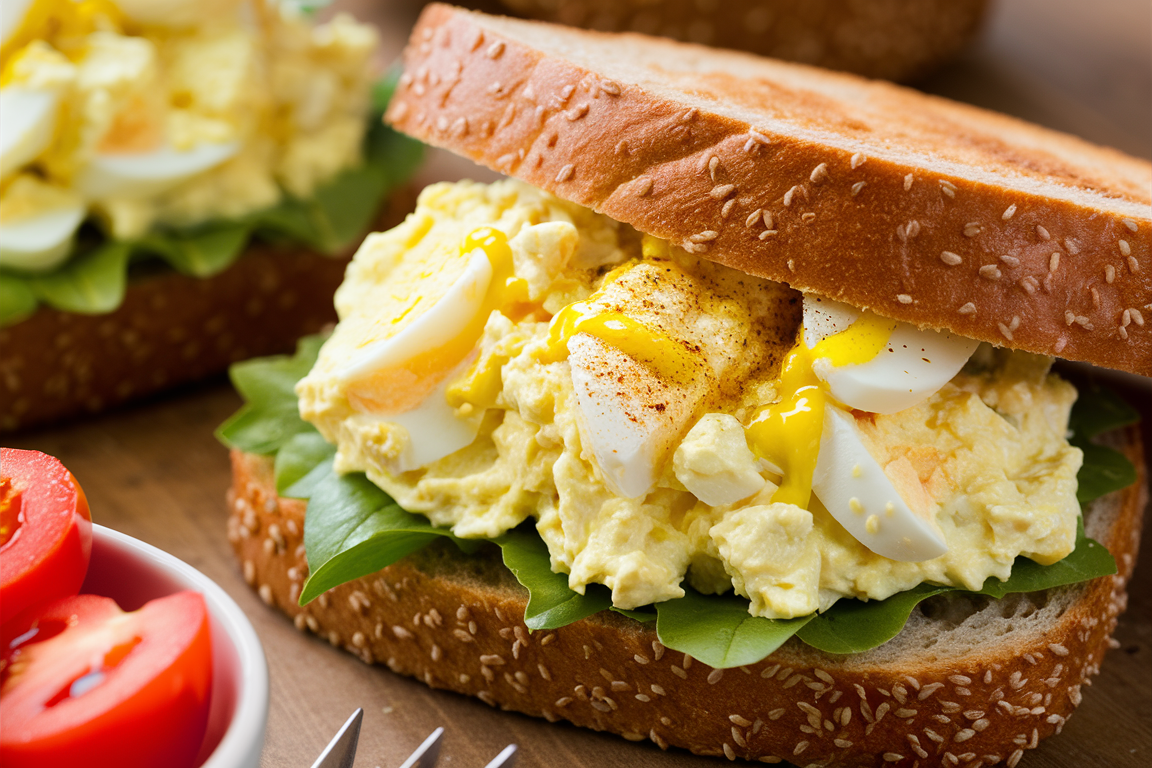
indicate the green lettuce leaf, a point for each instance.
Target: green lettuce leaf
{"x":339,"y":211}
{"x":91,"y":284}
{"x":719,"y":631}
{"x":353,"y":529}
{"x":551,"y":603}
{"x":17,"y":301}
{"x":301,"y":463}
{"x":270,"y":417}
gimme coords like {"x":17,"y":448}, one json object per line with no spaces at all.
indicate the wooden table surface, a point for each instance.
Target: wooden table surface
{"x":155,"y":472}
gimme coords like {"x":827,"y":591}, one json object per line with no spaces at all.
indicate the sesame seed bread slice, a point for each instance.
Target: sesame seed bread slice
{"x":966,"y":676}
{"x":895,"y":40}
{"x":921,"y":209}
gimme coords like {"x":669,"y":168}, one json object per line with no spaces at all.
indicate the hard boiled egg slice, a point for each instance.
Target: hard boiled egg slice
{"x":401,"y":376}
{"x":135,"y":175}
{"x":853,"y":487}
{"x":910,"y":366}
{"x":628,"y":415}
{"x":12,"y":15}
{"x":37,"y":224}
{"x":27,"y":124}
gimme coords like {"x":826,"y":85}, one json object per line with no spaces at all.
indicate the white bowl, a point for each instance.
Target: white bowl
{"x":132,"y":573}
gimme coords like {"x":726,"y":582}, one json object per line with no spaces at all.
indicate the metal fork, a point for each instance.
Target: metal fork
{"x":341,"y":751}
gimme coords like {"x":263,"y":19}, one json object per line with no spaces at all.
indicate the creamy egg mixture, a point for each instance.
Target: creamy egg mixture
{"x":504,"y":355}
{"x":167,"y":112}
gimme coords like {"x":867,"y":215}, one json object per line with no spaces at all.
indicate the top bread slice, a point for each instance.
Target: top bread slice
{"x":921,"y":209}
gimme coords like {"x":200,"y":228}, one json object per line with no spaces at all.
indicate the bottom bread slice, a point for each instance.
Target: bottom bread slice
{"x":970,"y":681}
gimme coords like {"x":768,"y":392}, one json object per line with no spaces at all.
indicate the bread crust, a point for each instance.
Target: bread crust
{"x":902,"y":40}
{"x":455,"y":622}
{"x":924,"y":210}
{"x":171,"y":329}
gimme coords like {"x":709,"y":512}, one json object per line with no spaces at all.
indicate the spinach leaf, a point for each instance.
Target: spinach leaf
{"x":91,"y":284}
{"x":270,"y":417}
{"x":17,"y":300}
{"x":852,"y":626}
{"x":551,"y":603}
{"x":301,"y":464}
{"x":353,"y":529}
{"x":719,"y":631}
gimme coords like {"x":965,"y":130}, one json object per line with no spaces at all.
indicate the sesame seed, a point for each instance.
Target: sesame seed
{"x":950,"y":258}
{"x":857,"y":187}
{"x":492,"y":659}
{"x":767,"y":234}
{"x":964,"y":735}
{"x":948,"y":188}
{"x":1009,"y":212}
{"x":753,"y":218}
{"x":643,"y":697}
{"x":727,"y":209}
{"x":1138,"y":318}
{"x":658,"y":689}
{"x":562,"y":702}
{"x":769,"y":221}
{"x":905,"y":713}
{"x":704,"y":237}
{"x":1125,"y":249}
{"x":1069,"y":317}
{"x":1133,"y":265}
{"x":1011,"y":261}
{"x":713,"y":165}
{"x":577,"y":112}
{"x":640,"y":658}
{"x":1054,"y":262}
{"x":892,"y":757}
{"x":972,"y":228}
{"x":819,"y":173}
{"x":565,"y":173}
{"x":908,"y":182}
{"x":1042,"y":233}
{"x":903,"y":298}
{"x":610,"y":87}
{"x":799,"y":747}
{"x":842,"y":743}
{"x":990,"y":272}
{"x":928,"y":690}
{"x":1030,"y":284}
{"x":788,"y":196}
{"x":495,"y":50}
{"x":401,"y":633}
{"x":643,"y":186}
{"x":1109,"y":273}
{"x":722,"y":191}
{"x":738,"y":738}
{"x":714,"y":676}
{"x":808,"y":217}
{"x":857,"y":160}
{"x":680,"y":673}
{"x":265,"y":593}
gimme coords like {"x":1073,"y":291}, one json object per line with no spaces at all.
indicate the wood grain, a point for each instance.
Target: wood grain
{"x":156,"y":472}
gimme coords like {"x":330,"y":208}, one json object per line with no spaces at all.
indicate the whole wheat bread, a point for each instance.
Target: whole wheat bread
{"x":980,"y":677}
{"x":921,"y":209}
{"x":895,"y":40}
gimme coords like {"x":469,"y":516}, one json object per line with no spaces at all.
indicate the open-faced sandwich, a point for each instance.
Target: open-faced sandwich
{"x":729,"y":423}
{"x":172,"y":177}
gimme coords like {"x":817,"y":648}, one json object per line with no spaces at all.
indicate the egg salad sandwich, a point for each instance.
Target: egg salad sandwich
{"x":728,"y":422}
{"x":181,"y":183}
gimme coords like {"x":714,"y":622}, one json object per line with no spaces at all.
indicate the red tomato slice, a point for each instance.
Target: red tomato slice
{"x":45,"y":531}
{"x":85,"y":684}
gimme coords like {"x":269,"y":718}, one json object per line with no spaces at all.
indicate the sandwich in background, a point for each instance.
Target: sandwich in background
{"x":894,"y":213}
{"x":181,"y":186}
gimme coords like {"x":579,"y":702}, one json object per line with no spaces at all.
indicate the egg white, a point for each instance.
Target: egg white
{"x":139,"y":175}
{"x":852,"y":486}
{"x":912,"y":366}
{"x":27,"y":124}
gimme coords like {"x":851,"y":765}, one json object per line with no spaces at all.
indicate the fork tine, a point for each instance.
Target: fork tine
{"x":506,"y":758}
{"x":427,"y":753}
{"x":341,"y":751}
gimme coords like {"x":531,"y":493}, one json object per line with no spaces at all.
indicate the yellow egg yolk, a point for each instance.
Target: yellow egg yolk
{"x":63,"y":23}
{"x":787,"y":433}
{"x":400,"y":388}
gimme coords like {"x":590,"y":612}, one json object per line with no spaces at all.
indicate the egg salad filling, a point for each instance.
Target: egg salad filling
{"x":504,"y":356}
{"x":145,"y":115}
